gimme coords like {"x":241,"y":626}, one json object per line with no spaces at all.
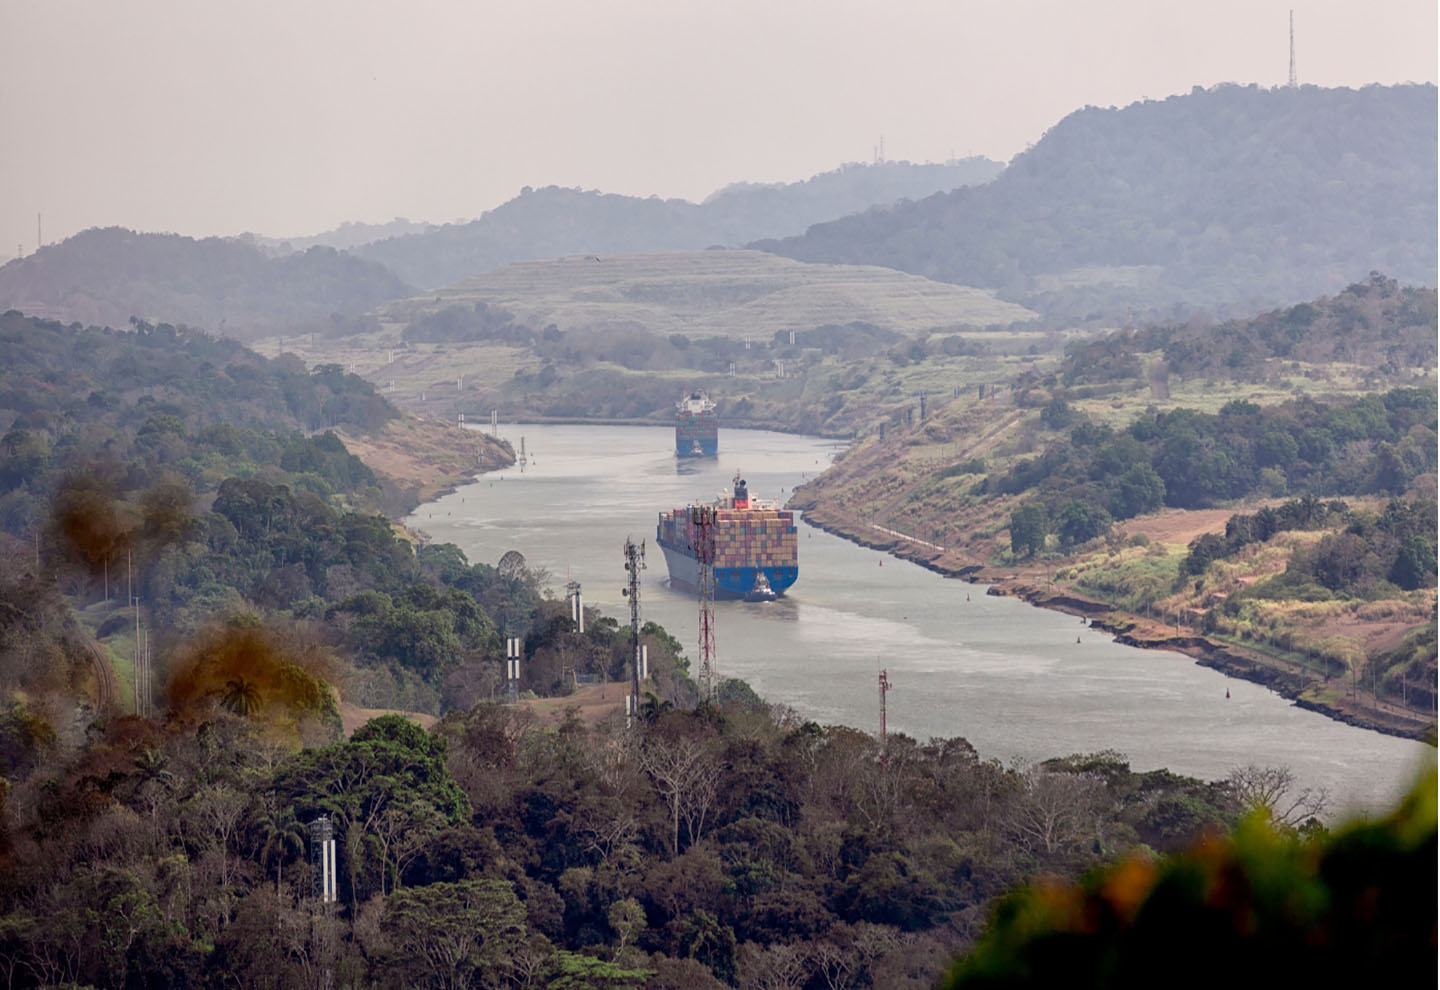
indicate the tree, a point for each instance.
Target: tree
{"x":447,"y":933}
{"x":1271,"y":790}
{"x":574,"y":971}
{"x":1028,"y":527}
{"x":1262,"y":907}
{"x":1080,"y":522}
{"x":241,"y":696}
{"x":685,"y":773}
{"x":627,"y":919}
{"x":1138,"y":490}
{"x":282,"y":837}
{"x":1053,"y":810}
{"x":388,"y":762}
{"x":1414,"y":564}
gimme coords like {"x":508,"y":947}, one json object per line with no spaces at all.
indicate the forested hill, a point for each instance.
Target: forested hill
{"x":106,"y":276}
{"x":1234,"y":198}
{"x":550,"y":222}
{"x":1380,"y":326}
{"x":188,"y":406}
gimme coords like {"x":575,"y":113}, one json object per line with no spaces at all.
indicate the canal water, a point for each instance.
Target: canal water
{"x":1009,"y":677}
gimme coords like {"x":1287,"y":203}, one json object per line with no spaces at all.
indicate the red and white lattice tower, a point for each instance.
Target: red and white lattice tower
{"x":702,"y":531}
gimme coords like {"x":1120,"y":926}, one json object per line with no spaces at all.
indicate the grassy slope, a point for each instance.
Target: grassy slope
{"x":719,"y":293}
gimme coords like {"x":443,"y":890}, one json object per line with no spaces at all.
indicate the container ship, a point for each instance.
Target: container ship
{"x":696,"y":434}
{"x":755,"y":546}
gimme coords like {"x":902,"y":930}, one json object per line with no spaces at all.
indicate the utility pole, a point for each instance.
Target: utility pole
{"x":135,"y":604}
{"x":514,"y":647}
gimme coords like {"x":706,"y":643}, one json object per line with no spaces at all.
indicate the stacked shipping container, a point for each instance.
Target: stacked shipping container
{"x":743,"y":537}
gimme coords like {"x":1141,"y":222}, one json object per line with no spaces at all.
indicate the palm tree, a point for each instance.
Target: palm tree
{"x":282,"y":836}
{"x":241,"y":697}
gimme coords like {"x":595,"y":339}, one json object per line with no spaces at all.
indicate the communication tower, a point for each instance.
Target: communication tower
{"x":1293,"y":83}
{"x":702,"y":530}
{"x":577,"y":608}
{"x":322,"y":851}
{"x":634,"y":564}
{"x":884,"y":750}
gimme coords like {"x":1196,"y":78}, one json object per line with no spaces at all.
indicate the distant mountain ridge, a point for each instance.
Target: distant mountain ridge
{"x":553,"y":221}
{"x":105,"y":276}
{"x":1232,"y":198}
{"x":350,"y":234}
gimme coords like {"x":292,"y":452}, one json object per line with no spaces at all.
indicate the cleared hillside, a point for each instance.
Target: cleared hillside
{"x":716,"y":293}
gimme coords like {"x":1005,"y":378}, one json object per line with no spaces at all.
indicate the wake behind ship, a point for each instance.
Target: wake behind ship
{"x":696,"y":428}
{"x":755,"y":546}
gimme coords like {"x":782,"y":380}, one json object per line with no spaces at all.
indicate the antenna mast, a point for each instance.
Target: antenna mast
{"x":884,"y":749}
{"x":1293,"y":84}
{"x":634,"y":564}
{"x":702,"y":531}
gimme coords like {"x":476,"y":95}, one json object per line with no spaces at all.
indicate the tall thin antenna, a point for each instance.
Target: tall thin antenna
{"x":884,"y":749}
{"x":634,"y":564}
{"x":702,"y":532}
{"x":1293,"y":83}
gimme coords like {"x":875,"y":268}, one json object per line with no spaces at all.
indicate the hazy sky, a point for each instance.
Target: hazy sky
{"x":286,"y":118}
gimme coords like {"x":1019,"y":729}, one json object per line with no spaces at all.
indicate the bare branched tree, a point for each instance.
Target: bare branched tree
{"x":1273,"y":790}
{"x":1054,"y":810}
{"x":774,"y":967}
{"x":685,"y":773}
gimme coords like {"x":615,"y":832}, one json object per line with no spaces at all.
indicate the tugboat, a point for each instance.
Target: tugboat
{"x":762,"y":592}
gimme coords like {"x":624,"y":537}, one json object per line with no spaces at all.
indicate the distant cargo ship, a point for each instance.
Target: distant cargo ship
{"x":696,"y":431}
{"x":755,"y":546}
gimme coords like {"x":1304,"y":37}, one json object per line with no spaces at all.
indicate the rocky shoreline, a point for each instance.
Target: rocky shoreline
{"x":1282,"y":678}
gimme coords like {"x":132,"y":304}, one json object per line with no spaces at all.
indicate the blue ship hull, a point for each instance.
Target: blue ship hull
{"x":708,"y":447}
{"x":730,"y":582}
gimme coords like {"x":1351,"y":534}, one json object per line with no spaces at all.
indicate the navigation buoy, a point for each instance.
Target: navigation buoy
{"x":1077,"y":639}
{"x":1227,"y":692}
